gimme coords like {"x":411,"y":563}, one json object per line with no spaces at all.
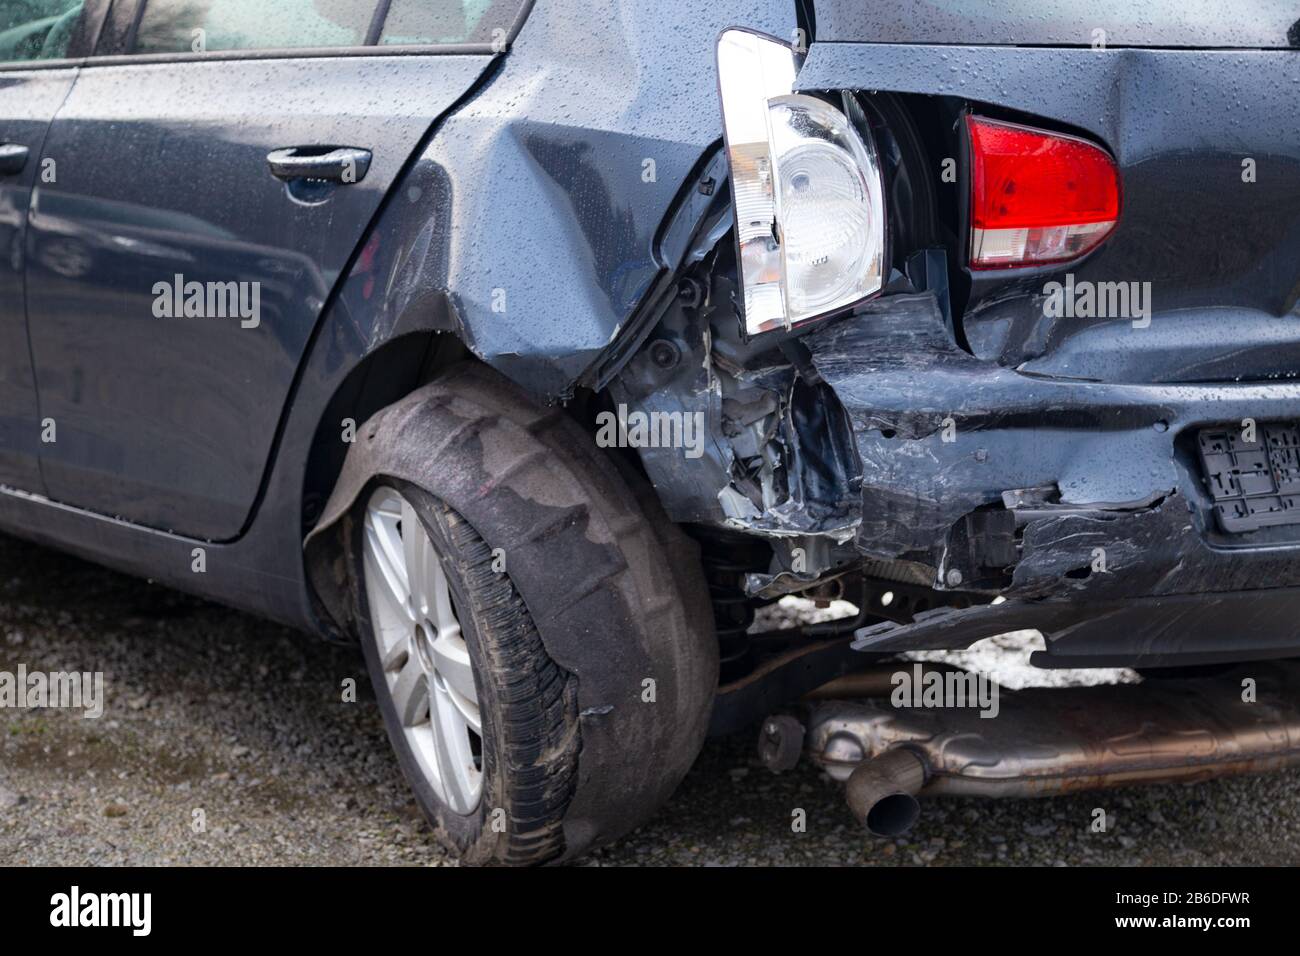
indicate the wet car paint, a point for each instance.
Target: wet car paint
{"x":1072,"y":466}
{"x":1067,"y":437}
{"x":1114,"y":23}
{"x":27,"y":100}
{"x":536,"y":166}
{"x":1218,"y":250}
{"x":560,"y":172}
{"x":169,"y":421}
{"x":560,"y":241}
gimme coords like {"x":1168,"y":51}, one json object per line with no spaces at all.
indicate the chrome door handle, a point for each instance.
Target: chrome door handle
{"x":343,"y":164}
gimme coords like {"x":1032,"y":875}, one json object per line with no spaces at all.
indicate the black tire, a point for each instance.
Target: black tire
{"x":529,"y":706}
{"x":602,"y":588}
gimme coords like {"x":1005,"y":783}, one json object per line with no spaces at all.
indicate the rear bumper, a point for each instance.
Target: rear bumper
{"x":1175,"y":630}
{"x":1082,"y":503}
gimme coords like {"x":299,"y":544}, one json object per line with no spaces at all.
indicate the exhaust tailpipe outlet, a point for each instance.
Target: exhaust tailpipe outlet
{"x":882,"y":791}
{"x":1057,"y":740}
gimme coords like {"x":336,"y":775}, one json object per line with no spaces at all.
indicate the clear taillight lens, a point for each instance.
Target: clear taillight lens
{"x":807,"y":187}
{"x":1037,"y":197}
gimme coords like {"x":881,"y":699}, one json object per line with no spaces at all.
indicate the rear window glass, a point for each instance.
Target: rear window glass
{"x":197,"y":26}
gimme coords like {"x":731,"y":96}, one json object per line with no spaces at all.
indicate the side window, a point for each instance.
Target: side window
{"x":37,"y":29}
{"x":197,"y":26}
{"x":449,"y":21}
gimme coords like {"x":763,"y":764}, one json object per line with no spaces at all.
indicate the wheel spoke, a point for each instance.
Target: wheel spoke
{"x":417,"y":554}
{"x":397,"y":653}
{"x":451,"y":660}
{"x":387,"y":608}
{"x":455,"y":756}
{"x":468,"y":710}
{"x":384,"y":547}
{"x":441,"y":612}
{"x":411,"y":693}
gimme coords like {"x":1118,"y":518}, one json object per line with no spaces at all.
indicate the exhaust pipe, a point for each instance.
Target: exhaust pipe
{"x":877,"y":681}
{"x":882,"y":792}
{"x":1048,"y":741}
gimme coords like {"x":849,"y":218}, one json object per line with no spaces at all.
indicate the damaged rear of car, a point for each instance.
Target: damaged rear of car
{"x":610,"y":325}
{"x":978,"y":326}
{"x":1092,"y":416}
{"x":999,"y":332}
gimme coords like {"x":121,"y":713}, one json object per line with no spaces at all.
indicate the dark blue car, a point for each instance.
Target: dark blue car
{"x":535,"y":347}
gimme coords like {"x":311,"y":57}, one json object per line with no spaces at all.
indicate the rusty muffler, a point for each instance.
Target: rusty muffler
{"x":1046,"y":741}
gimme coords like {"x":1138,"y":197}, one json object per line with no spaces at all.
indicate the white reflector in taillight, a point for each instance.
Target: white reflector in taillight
{"x":807,"y":187}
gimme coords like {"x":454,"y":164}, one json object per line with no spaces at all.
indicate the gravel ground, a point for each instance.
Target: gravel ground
{"x":217,"y":717}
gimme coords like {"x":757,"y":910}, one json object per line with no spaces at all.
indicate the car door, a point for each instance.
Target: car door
{"x":39,"y":44}
{"x":219,"y":162}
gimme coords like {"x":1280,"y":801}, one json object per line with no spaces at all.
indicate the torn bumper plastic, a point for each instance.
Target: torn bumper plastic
{"x":1075,"y":500}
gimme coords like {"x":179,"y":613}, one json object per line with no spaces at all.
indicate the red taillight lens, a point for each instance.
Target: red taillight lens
{"x":1037,"y":197}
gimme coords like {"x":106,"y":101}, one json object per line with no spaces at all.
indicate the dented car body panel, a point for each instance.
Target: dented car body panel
{"x":969,"y":435}
{"x":1070,"y":466}
{"x":564,"y":356}
{"x":542,"y":166}
{"x":566,"y":167}
{"x":1053,"y":458}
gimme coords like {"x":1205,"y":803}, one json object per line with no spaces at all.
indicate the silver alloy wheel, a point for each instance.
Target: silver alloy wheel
{"x":425,"y":658}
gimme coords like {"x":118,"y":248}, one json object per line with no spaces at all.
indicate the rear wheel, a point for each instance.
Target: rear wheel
{"x":483,"y":721}
{"x":583,"y":611}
